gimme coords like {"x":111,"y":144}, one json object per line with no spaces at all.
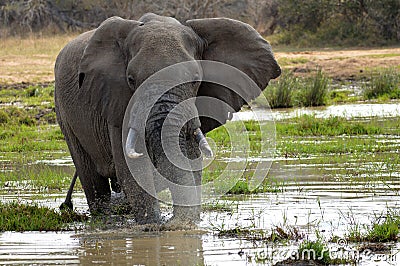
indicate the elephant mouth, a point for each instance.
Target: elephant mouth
{"x":133,"y":134}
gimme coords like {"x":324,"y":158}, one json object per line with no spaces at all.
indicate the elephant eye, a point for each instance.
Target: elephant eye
{"x":131,"y":81}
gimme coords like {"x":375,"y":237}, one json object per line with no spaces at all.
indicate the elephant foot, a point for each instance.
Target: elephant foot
{"x":67,"y":206}
{"x":152,"y":216}
{"x":120,"y":204}
{"x":177,"y":224}
{"x":149,"y":221}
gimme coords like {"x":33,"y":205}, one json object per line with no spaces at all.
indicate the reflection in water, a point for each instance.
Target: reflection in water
{"x":118,"y":248}
{"x":165,"y":248}
{"x":38,"y":248}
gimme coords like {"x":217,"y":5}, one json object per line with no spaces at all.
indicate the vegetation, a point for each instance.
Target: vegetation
{"x":314,"y":250}
{"x":314,"y":91}
{"x":383,"y":84}
{"x":383,"y":229}
{"x":300,"y":23}
{"x":280,"y":93}
{"x":31,"y":217}
{"x":309,"y":125}
{"x":289,"y":90}
{"x":319,"y":23}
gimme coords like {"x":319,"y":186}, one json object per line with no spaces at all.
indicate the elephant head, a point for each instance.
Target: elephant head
{"x":122,"y":54}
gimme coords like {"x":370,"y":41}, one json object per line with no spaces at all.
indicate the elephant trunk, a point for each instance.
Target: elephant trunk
{"x":176,"y":117}
{"x":132,"y":136}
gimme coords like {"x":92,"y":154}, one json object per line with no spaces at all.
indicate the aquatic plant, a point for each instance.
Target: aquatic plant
{"x":313,"y":91}
{"x":16,"y":216}
{"x":314,"y":250}
{"x":290,"y":90}
{"x":385,"y":83}
{"x":279,"y":94}
{"x":384,"y":228}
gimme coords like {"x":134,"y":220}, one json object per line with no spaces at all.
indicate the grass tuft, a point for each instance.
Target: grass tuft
{"x":384,"y":84}
{"x":380,"y":231}
{"x":313,"y":92}
{"x":32,"y":217}
{"x":314,"y":250}
{"x":307,"y":125}
{"x":290,"y":90}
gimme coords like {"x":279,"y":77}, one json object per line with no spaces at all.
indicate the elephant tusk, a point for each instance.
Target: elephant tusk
{"x":203,"y":144}
{"x":130,"y":145}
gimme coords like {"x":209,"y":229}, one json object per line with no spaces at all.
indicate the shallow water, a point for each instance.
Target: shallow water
{"x":312,"y":196}
{"x":307,"y":201}
{"x":346,"y":110}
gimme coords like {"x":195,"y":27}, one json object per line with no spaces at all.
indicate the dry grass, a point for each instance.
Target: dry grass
{"x":32,"y":59}
{"x":29,"y":59}
{"x":340,"y":64}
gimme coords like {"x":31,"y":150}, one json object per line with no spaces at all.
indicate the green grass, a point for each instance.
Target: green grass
{"x":342,"y":97}
{"x":37,"y":177}
{"x":314,"y":250}
{"x":313,"y":92}
{"x":309,"y":125}
{"x":25,"y":138}
{"x":384,"y":232}
{"x":383,"y":229}
{"x":277,"y":234}
{"x":32,"y":217}
{"x":279,"y":94}
{"x":290,"y":90}
{"x":385,"y":84}
{"x":31,"y":95}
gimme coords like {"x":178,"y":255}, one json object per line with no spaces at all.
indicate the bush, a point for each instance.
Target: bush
{"x":385,"y":83}
{"x":347,"y":22}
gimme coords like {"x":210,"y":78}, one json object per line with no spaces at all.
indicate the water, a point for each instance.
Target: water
{"x":306,"y":200}
{"x":312,"y":197}
{"x":347,"y":111}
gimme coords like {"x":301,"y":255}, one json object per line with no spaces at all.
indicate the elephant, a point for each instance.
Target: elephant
{"x":97,"y":76}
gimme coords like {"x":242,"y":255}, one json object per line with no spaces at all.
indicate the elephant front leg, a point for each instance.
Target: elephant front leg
{"x":136,"y":181}
{"x":186,"y":197}
{"x":141,"y":192}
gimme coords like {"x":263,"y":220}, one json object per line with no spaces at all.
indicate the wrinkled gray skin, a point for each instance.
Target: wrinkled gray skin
{"x":96,"y":75}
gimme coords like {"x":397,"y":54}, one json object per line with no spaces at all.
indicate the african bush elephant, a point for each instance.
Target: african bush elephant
{"x":97,"y":74}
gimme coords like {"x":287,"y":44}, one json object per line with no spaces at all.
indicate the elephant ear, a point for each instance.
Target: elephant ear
{"x":237,"y":44}
{"x":102,"y":69}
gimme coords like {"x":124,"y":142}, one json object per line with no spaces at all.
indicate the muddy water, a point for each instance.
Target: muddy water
{"x":305,"y":200}
{"x":328,"y":202}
